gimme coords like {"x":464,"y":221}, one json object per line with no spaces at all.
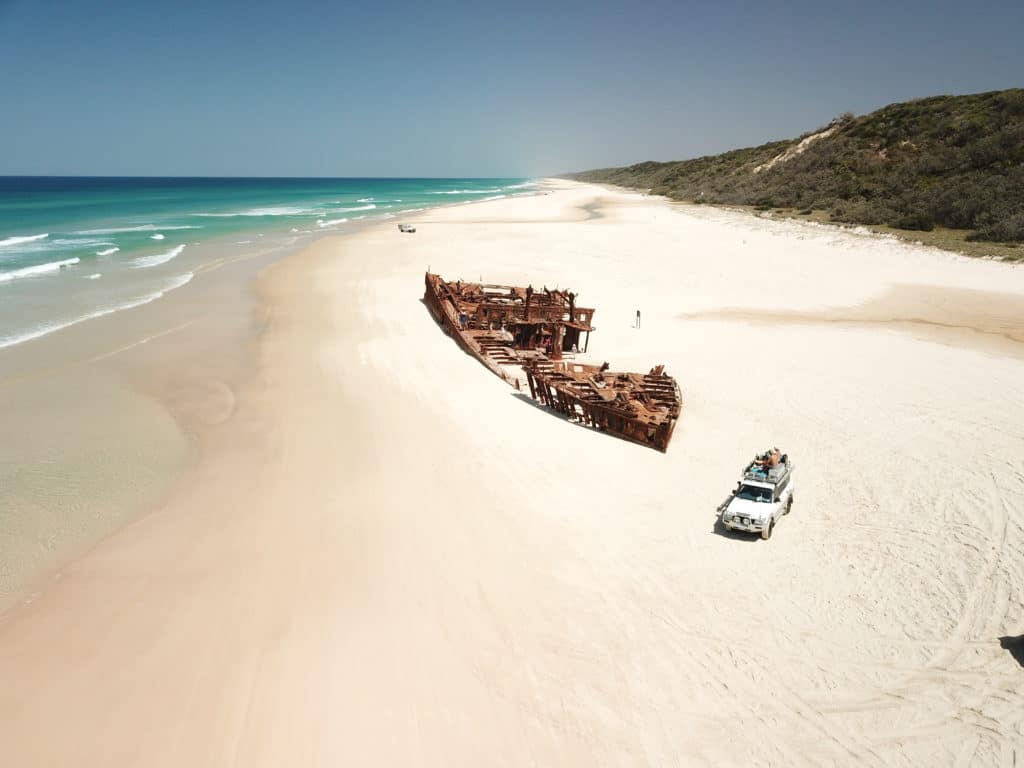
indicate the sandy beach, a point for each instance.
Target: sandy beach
{"x":384,"y":556}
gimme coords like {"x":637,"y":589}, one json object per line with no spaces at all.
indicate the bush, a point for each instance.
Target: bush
{"x":1003,"y":231}
{"x":918,"y":221}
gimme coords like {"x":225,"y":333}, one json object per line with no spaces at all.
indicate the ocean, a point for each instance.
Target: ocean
{"x":73,"y":249}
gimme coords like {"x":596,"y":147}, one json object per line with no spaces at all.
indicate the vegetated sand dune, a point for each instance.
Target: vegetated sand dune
{"x":388,"y":557}
{"x":796,"y":149}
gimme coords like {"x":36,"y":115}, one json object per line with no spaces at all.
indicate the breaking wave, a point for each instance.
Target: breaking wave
{"x":46,"y":328}
{"x":23,"y":239}
{"x":464,"y":192}
{"x":38,"y":269}
{"x":137,"y":228}
{"x":157,"y":259}
{"x":369,"y":207}
{"x":321,"y":223}
{"x":157,"y":236}
{"x":107,"y":251}
{"x":284,"y":210}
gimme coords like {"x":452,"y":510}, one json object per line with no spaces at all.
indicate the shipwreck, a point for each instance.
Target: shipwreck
{"x":530,"y":338}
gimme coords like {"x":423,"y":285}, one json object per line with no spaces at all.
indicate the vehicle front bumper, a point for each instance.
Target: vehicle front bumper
{"x":744,"y":524}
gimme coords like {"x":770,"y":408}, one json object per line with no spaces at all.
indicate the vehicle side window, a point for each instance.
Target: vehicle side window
{"x":781,"y":488}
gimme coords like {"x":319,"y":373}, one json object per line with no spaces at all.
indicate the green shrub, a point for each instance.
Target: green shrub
{"x":918,"y":220}
{"x":1003,"y":231}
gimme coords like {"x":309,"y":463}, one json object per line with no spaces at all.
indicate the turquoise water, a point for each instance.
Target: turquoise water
{"x":72,"y":249}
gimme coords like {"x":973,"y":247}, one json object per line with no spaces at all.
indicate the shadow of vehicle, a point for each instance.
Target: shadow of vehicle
{"x":1015,"y":645}
{"x":720,"y":530}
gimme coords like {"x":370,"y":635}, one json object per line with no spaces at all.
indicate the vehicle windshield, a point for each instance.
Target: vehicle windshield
{"x":753,"y":493}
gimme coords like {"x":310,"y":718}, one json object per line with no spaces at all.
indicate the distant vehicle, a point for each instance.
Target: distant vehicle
{"x":762,"y":496}
{"x":406,"y":228}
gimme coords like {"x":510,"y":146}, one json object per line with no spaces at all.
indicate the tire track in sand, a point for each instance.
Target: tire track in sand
{"x":792,"y":709}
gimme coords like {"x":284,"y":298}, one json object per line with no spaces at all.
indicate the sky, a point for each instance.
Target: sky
{"x":444,"y":88}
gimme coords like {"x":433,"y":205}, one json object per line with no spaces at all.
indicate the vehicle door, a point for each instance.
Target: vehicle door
{"x":781,"y":496}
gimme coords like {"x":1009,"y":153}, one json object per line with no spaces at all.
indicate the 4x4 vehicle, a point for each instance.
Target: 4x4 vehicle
{"x":762,"y":496}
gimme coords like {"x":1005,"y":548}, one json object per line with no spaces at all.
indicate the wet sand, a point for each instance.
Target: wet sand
{"x":101,"y":420}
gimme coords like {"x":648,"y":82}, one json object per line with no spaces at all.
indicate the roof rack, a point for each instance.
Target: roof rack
{"x":758,"y":473}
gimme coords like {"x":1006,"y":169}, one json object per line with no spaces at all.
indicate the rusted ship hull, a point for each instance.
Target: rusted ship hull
{"x":643,"y":408}
{"x":524,"y":335}
{"x":487,"y":347}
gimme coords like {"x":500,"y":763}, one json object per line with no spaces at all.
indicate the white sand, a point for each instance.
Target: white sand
{"x":388,"y":558}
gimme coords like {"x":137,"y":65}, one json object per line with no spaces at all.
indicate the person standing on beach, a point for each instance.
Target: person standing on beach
{"x":637,"y":318}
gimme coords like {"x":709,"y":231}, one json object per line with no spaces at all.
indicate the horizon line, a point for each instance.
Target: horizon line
{"x":158,"y":176}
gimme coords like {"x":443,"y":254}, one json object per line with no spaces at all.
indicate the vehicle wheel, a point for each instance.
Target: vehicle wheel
{"x":789,"y":505}
{"x":767,"y":532}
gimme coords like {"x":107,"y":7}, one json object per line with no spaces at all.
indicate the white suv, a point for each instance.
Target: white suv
{"x":763,"y":495}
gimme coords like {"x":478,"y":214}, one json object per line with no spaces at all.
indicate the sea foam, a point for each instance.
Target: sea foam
{"x":157,"y":259}
{"x":46,"y":328}
{"x":157,"y":236}
{"x":36,"y":270}
{"x":136,"y":228}
{"x":107,"y":251}
{"x":23,"y":239}
{"x":283,"y":210}
{"x":368,"y":207}
{"x":464,"y":192}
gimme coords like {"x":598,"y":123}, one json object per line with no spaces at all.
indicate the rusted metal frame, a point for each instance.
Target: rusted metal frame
{"x":656,"y":395}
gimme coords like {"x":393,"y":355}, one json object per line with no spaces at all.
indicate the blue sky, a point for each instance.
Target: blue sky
{"x":462,"y":89}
